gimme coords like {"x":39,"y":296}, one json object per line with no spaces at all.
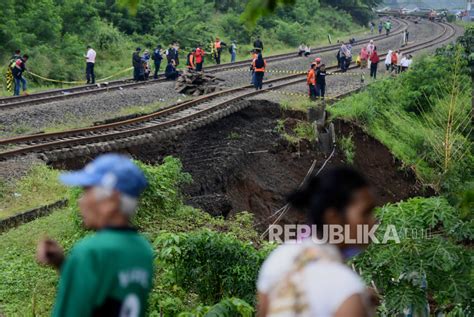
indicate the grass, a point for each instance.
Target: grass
{"x":70,"y":122}
{"x":40,"y":186}
{"x":348,"y":148}
{"x":419,"y":127}
{"x":306,"y":130}
{"x":28,"y":289}
{"x":297,"y":104}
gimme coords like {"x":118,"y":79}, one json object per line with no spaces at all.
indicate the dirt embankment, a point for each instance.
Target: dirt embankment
{"x":242,"y":163}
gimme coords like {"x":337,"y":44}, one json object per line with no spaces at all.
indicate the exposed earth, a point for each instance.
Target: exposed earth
{"x":242,"y":162}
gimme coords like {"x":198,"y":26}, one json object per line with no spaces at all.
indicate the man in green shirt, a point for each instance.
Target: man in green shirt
{"x":109,"y":273}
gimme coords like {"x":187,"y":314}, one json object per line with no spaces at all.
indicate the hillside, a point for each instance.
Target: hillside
{"x":55,"y":33}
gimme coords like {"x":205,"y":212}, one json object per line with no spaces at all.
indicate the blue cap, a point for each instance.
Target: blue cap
{"x":111,"y":171}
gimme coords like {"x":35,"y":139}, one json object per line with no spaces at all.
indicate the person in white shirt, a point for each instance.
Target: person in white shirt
{"x":406,"y":62}
{"x":388,"y":60}
{"x":90,"y":62}
{"x":308,"y":277}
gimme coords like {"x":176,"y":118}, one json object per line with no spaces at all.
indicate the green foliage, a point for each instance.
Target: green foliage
{"x":306,"y":130}
{"x":163,"y":195}
{"x":39,"y":187}
{"x":431,"y":260}
{"x":229,"y":307}
{"x":210,"y":264}
{"x":55,"y":33}
{"x":348,"y":148}
{"x":423,"y":117}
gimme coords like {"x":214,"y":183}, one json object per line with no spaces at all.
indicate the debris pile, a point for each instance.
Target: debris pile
{"x":196,"y":83}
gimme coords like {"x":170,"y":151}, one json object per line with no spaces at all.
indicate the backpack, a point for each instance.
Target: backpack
{"x":187,"y":60}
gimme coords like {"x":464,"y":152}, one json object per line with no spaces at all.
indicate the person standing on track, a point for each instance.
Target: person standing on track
{"x":157,"y":58}
{"x":388,"y":27}
{"x":393,"y":60}
{"x":380,"y":27}
{"x":321,"y":81}
{"x":90,"y":62}
{"x":311,"y":81}
{"x":137,"y":65}
{"x":259,"y":67}
{"x":258,"y":44}
{"x":233,"y":51}
{"x":374,"y":63}
{"x":218,"y":45}
{"x":109,"y":273}
{"x":388,"y":60}
{"x":190,"y":59}
{"x":17,"y":72}
{"x":364,"y":57}
{"x":199,"y":58}
{"x":308,"y":277}
{"x":345,"y":56}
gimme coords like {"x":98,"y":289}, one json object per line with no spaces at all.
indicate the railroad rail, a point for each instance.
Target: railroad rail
{"x":61,"y":94}
{"x":161,"y":124}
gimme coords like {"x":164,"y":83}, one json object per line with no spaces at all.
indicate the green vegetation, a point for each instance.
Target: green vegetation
{"x":348,"y":148}
{"x":306,"y":130}
{"x":424,"y":117}
{"x":40,"y":186}
{"x":432,"y":261}
{"x":55,"y":33}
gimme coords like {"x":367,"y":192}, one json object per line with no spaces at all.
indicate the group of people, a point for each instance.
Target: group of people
{"x":142,"y":67}
{"x":397,"y":62}
{"x":369,"y":58}
{"x":111,"y":272}
{"x":316,"y":79}
{"x":304,"y":50}
{"x":15,"y":70}
{"x":257,"y":67}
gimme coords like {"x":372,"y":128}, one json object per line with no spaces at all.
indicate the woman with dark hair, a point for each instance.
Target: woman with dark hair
{"x":259,"y":65}
{"x":309,"y":278}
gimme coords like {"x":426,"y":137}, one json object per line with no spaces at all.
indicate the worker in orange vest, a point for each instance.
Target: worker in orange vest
{"x":218,"y":45}
{"x":311,"y":81}
{"x":259,"y":65}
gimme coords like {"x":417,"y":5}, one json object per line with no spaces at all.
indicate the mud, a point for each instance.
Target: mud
{"x":242,"y":163}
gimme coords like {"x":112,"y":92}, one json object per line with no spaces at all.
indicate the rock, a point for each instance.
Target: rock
{"x":196,"y":83}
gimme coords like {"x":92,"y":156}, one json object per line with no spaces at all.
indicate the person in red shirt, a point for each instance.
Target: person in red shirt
{"x":374,"y":63}
{"x":199,"y":58}
{"x":394,"y":60}
{"x":311,"y":81}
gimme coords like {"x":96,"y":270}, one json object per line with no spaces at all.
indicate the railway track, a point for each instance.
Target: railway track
{"x":161,"y":124}
{"x":61,"y":94}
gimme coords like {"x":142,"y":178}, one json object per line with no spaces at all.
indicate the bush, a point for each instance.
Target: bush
{"x":430,"y":262}
{"x":210,"y":264}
